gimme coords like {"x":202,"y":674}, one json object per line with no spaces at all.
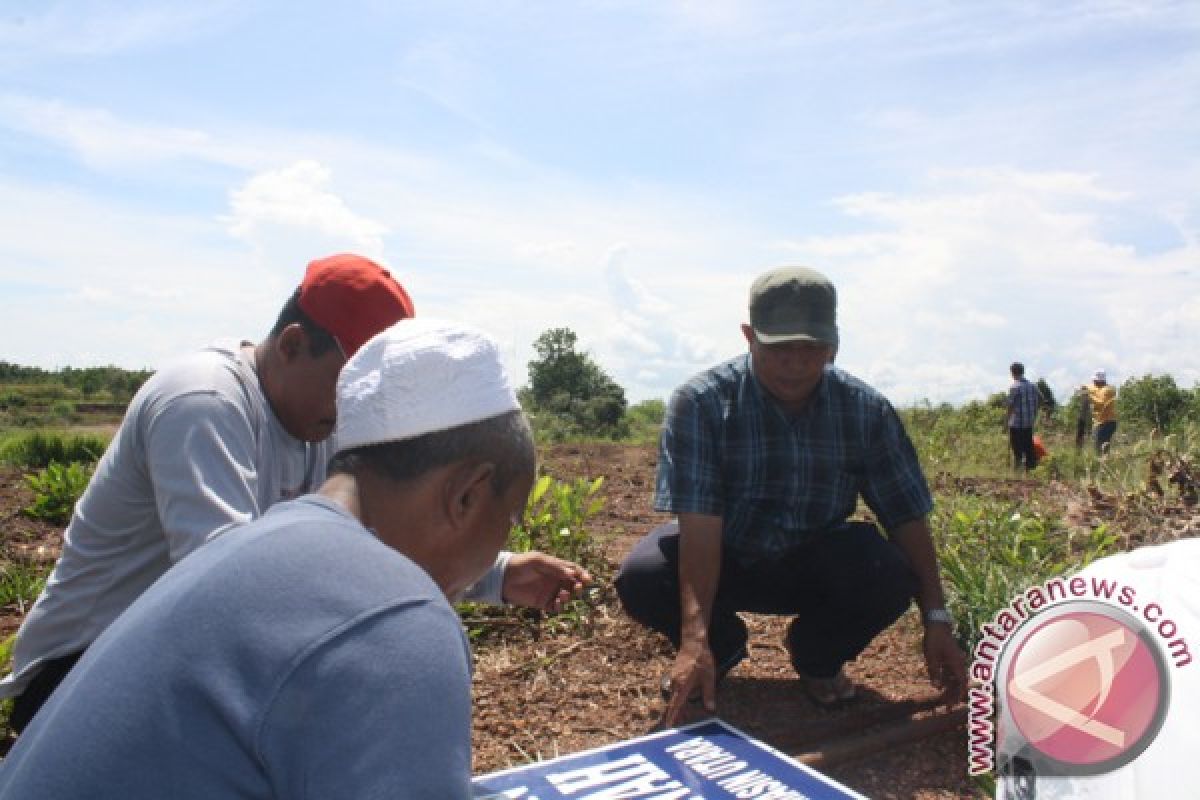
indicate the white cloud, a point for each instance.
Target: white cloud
{"x":654,"y":345}
{"x":977,"y":181}
{"x":103,"y":140}
{"x":988,"y":266}
{"x":289,"y":215}
{"x":89,"y":281}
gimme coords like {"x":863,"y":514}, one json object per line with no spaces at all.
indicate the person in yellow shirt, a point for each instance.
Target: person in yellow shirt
{"x":1103,"y":399}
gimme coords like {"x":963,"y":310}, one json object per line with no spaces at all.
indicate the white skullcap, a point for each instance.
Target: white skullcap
{"x":420,"y":376}
{"x":1099,"y":376}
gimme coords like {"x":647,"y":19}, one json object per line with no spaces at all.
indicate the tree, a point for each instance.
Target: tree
{"x":1154,"y":400}
{"x":1046,"y":396}
{"x":571,"y":386}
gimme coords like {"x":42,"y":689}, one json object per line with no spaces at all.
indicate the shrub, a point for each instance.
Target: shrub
{"x":644,"y":420}
{"x":12,"y":399}
{"x":56,"y":489}
{"x":991,"y":551}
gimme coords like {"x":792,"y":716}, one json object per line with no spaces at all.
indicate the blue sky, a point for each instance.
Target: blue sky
{"x":984,"y":182}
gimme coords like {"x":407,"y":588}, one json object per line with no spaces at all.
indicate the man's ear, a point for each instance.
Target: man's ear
{"x":748,"y":332}
{"x":466,"y":485}
{"x":292,"y":342}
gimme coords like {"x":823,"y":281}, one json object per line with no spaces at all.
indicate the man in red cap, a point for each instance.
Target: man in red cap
{"x":213,"y":440}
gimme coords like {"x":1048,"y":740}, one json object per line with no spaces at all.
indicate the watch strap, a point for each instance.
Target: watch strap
{"x":937,"y":615}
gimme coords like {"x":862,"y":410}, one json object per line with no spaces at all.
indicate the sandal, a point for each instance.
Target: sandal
{"x":829,"y":692}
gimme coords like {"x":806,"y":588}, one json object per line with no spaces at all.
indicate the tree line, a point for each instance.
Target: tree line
{"x":118,"y":384}
{"x":570,"y":396}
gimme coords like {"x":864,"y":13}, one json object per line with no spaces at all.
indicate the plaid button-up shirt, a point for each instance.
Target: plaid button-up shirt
{"x":1022,"y":404}
{"x":727,"y":449}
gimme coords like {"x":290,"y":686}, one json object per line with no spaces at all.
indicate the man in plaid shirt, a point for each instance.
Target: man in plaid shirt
{"x":763,"y":459}
{"x":1022,"y":414}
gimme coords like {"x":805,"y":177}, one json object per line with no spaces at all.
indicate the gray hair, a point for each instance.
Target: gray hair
{"x":504,"y":440}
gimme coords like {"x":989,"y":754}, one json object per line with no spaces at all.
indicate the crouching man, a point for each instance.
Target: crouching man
{"x":316,"y":653}
{"x":763,"y":459}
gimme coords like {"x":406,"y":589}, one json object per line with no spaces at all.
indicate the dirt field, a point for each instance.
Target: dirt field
{"x":538,"y":697}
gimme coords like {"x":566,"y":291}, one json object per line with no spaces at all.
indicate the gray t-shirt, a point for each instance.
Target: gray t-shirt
{"x":199,"y":450}
{"x":300,"y":658}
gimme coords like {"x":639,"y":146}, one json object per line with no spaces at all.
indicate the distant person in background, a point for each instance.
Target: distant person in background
{"x":1103,"y":399}
{"x":215,"y":438}
{"x":1022,"y":404}
{"x":313,"y":653}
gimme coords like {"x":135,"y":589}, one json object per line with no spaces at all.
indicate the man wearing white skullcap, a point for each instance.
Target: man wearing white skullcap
{"x":211,"y":442}
{"x":315,"y":654}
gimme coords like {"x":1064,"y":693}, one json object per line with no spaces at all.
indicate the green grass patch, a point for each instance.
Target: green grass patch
{"x":37,"y":449}
{"x":20,"y":584}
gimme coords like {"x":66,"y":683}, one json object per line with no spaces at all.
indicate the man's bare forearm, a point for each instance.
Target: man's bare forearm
{"x":699,"y":572}
{"x":915,"y":540}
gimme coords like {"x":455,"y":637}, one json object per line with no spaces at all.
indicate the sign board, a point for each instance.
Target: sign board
{"x":705,"y":761}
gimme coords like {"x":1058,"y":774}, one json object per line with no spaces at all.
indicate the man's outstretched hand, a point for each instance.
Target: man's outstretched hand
{"x":693,"y":675}
{"x":541,"y":581}
{"x":946,"y":663}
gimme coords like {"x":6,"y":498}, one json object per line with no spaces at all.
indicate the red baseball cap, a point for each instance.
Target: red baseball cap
{"x":353,"y":298}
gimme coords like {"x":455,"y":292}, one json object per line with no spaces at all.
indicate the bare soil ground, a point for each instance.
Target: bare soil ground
{"x":538,"y":698}
{"x":540,"y":694}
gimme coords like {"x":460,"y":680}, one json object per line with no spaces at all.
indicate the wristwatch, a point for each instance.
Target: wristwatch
{"x":937,"y":615}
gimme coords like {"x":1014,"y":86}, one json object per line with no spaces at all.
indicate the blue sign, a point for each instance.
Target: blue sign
{"x":705,"y":761}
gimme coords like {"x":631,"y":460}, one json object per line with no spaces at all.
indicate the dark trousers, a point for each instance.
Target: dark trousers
{"x":1021,"y":442}
{"x":1104,"y":434}
{"x":27,"y":703}
{"x":1083,"y":426}
{"x":843,"y":588}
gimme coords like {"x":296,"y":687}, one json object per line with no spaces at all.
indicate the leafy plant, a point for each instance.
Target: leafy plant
{"x":56,"y":489}
{"x":554,"y":522}
{"x":991,"y":551}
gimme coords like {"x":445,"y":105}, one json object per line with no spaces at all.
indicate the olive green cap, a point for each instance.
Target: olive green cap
{"x":793,"y":303}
